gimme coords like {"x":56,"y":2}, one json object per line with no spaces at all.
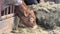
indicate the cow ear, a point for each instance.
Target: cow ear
{"x":25,"y":14}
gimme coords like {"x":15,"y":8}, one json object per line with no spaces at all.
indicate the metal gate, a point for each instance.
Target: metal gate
{"x":6,"y":13}
{"x":5,"y":23}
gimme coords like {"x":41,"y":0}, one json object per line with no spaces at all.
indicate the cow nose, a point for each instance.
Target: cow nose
{"x":35,"y":27}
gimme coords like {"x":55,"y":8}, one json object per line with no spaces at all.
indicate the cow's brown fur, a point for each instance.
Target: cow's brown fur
{"x":27,"y":16}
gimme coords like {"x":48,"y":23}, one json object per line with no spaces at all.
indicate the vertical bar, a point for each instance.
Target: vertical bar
{"x":7,"y":9}
{"x":0,"y":9}
{"x":4,"y":11}
{"x":13,"y":9}
{"x":10,"y":9}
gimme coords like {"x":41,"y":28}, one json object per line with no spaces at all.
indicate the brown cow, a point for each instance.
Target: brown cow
{"x":26,"y":15}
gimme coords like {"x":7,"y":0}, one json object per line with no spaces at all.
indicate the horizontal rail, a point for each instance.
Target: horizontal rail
{"x":7,"y":16}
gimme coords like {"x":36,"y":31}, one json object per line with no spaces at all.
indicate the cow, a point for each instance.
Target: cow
{"x":26,"y":15}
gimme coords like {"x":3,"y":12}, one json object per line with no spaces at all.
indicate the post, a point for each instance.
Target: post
{"x":0,"y":8}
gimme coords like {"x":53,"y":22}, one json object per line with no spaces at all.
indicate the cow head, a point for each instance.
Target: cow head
{"x":29,"y":20}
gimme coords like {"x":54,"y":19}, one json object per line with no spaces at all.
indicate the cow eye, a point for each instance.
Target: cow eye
{"x":31,"y":20}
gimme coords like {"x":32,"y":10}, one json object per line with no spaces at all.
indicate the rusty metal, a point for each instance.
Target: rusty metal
{"x":8,"y":12}
{"x":10,"y":9}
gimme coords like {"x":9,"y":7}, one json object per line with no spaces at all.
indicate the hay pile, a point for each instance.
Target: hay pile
{"x":48,"y":14}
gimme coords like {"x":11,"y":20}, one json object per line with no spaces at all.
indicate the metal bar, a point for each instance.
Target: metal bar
{"x":7,"y":10}
{"x":0,"y":9}
{"x":4,"y":12}
{"x":7,"y":16}
{"x":13,"y":9}
{"x":10,"y":9}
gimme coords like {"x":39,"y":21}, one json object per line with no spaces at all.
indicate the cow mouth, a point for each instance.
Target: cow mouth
{"x":35,"y":27}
